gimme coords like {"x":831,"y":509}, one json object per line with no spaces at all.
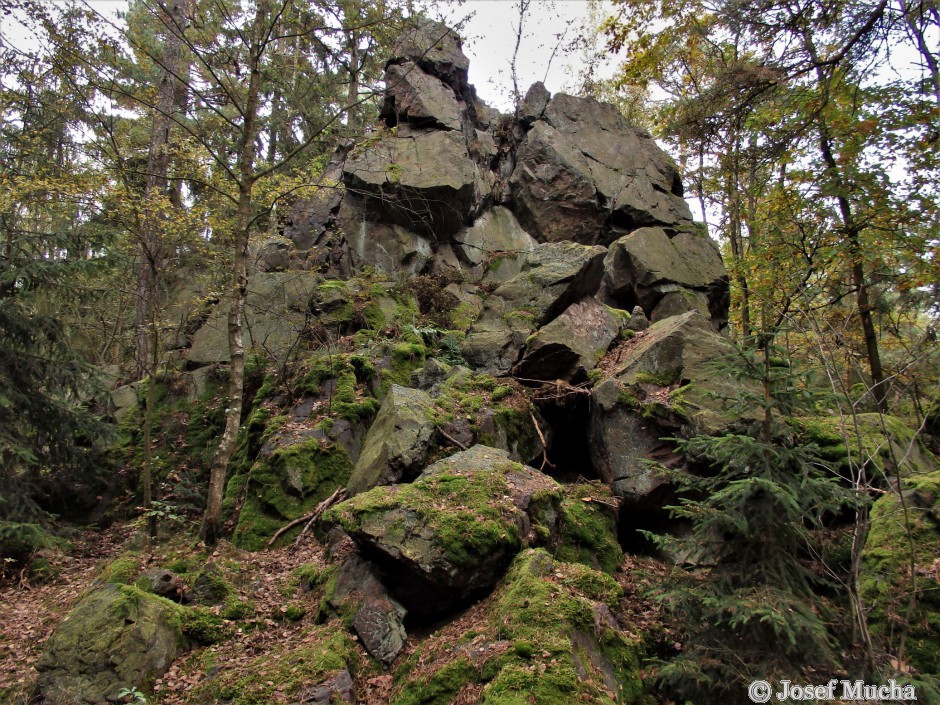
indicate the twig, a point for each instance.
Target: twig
{"x":310,"y":518}
{"x":544,"y":444}
{"x":452,"y":439}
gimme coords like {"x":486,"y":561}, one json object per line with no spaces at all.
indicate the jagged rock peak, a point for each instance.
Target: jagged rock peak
{"x":434,"y":47}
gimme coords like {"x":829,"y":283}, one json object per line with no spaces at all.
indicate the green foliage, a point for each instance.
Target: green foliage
{"x":751,"y":610}
{"x":20,"y":541}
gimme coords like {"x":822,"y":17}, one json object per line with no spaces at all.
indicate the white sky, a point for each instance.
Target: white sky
{"x":489,"y":40}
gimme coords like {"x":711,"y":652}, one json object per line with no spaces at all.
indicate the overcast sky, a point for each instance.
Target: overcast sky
{"x":489,"y":39}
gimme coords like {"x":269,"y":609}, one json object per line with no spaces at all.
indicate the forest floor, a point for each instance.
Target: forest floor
{"x":266,"y":579}
{"x":30,"y":611}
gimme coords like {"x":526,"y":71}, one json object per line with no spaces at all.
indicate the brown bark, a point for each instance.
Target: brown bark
{"x":150,"y":264}
{"x":246,"y":158}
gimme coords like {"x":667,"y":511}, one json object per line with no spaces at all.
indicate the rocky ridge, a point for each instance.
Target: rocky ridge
{"x":484,"y":326}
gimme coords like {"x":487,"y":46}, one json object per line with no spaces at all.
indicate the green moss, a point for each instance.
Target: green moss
{"x":211,"y":587}
{"x":236,"y":610}
{"x":558,"y":651}
{"x":307,"y":577}
{"x":500,"y":392}
{"x":286,"y":485}
{"x":346,"y":404}
{"x":283,"y":674}
{"x":441,"y":687}
{"x":200,"y":626}
{"x":484,"y":527}
{"x":866,"y":438}
{"x":886,"y":581}
{"x":666,"y":378}
{"x":405,"y":359}
{"x":121,"y":571}
{"x":587,"y":531}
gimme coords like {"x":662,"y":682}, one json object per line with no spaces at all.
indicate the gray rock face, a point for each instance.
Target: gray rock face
{"x":534,"y":104}
{"x":677,"y":274}
{"x":414,"y":97}
{"x":666,"y":383}
{"x":553,"y":276}
{"x":425,"y":181}
{"x":620,"y":440}
{"x":116,"y":637}
{"x":572,"y":344}
{"x":495,"y":232}
{"x":396,"y":445}
{"x":583,"y":171}
{"x":435,"y":48}
{"x":310,"y":217}
{"x":274,"y":316}
{"x":377,"y":617}
{"x":389,"y":248}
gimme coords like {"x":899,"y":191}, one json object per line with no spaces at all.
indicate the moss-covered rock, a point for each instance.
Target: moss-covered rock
{"x":116,"y":637}
{"x":453,"y":531}
{"x":396,"y":445}
{"x":287,"y":484}
{"x":877,"y":440}
{"x":892,"y":573}
{"x":587,"y":529}
{"x":547,"y":635}
{"x":284,"y":675}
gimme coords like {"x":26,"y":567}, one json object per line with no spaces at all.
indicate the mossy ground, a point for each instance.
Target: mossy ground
{"x":284,"y":674}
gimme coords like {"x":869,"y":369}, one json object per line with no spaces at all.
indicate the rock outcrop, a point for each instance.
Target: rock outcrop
{"x":117,"y":637}
{"x":451,"y":533}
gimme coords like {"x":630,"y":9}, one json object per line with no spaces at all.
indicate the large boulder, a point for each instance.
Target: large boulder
{"x":451,"y":533}
{"x":117,"y":637}
{"x":583,"y":173}
{"x":495,"y":233}
{"x":424,"y":181}
{"x":435,"y":48}
{"x":275,"y":314}
{"x":388,"y":248}
{"x":396,"y":446}
{"x":414,"y":97}
{"x":294,"y":472}
{"x":375,"y":616}
{"x":668,"y":276}
{"x":572,"y":344}
{"x":670,"y":379}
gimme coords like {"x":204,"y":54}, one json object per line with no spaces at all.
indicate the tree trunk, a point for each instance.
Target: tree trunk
{"x":246,"y":157}
{"x":150,"y":265}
